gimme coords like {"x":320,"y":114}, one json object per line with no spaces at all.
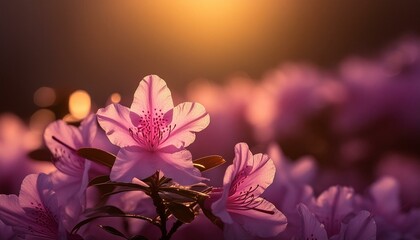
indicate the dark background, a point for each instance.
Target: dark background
{"x":108,"y":46}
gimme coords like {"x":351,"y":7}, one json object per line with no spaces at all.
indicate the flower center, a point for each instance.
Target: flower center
{"x":44,"y":218}
{"x":152,"y":129}
{"x":245,"y":199}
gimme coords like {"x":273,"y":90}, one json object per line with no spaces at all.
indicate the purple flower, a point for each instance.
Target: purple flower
{"x":383,"y":201}
{"x":354,"y":227}
{"x":71,"y":179}
{"x":290,"y":187}
{"x":239,"y":205}
{"x":35,"y":214}
{"x":334,"y":216}
{"x":153,"y":134}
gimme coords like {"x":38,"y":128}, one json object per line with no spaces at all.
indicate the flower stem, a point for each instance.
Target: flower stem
{"x":160,"y":207}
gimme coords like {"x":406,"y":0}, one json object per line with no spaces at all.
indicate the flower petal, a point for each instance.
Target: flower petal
{"x":187,"y":119}
{"x":133,"y":162}
{"x":333,"y":205}
{"x":115,"y":120}
{"x":11,"y":212}
{"x":258,"y":169}
{"x":385,"y":193}
{"x":152,"y":95}
{"x":88,"y":129}
{"x":362,"y":226}
{"x":62,"y":140}
{"x":311,"y":227}
{"x":39,"y":202}
{"x":179,"y":167}
{"x":265,"y":221}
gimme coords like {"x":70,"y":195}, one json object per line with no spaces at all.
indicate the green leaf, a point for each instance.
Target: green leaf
{"x":113,"y":231}
{"x":97,"y":155}
{"x":209,"y":162}
{"x":98,"y":180}
{"x":181,"y":212}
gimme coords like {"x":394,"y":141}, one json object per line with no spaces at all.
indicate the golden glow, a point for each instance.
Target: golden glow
{"x":79,"y":104}
{"x":44,"y":97}
{"x":115,"y":98}
{"x":70,"y":118}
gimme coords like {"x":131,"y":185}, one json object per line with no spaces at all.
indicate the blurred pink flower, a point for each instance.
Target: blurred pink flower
{"x":383,"y":200}
{"x":35,"y":214}
{"x":334,"y":215}
{"x":16,"y":140}
{"x":239,"y":204}
{"x":153,"y":134}
{"x":355,"y":227}
{"x":290,"y":187}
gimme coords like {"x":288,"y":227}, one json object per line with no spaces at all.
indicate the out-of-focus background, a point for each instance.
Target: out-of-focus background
{"x":336,"y":80}
{"x":107,"y":46}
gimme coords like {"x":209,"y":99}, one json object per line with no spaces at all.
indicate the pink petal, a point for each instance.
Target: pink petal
{"x":386,"y":196}
{"x":187,"y":119}
{"x":133,"y":162}
{"x":303,"y":171}
{"x":11,"y":212}
{"x":218,"y":207}
{"x":69,"y":135}
{"x":362,"y":226}
{"x":152,"y":95}
{"x":71,"y":193}
{"x":88,"y":129}
{"x":243,"y":157}
{"x":267,"y":221}
{"x":115,"y":120}
{"x":311,"y":227}
{"x":40,"y":204}
{"x":6,"y":231}
{"x":179,"y":167}
{"x":258,"y":169}
{"x":333,"y":205}
{"x":63,"y":149}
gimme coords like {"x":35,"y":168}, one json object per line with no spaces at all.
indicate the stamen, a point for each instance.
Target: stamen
{"x":64,"y":144}
{"x":152,"y":130}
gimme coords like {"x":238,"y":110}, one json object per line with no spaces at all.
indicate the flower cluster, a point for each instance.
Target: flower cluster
{"x":133,"y":173}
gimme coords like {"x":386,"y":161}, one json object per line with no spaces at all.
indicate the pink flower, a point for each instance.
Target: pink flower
{"x":35,"y":214}
{"x":354,"y":227}
{"x":333,"y":216}
{"x":71,"y":179}
{"x":153,"y":134}
{"x":239,"y":205}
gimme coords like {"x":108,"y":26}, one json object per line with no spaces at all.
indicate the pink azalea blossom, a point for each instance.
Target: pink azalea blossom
{"x":239,"y":205}
{"x":383,"y":201}
{"x":355,"y":227}
{"x":153,"y":134}
{"x":334,"y":216}
{"x":35,"y":214}
{"x":290,"y":187}
{"x":71,"y":179}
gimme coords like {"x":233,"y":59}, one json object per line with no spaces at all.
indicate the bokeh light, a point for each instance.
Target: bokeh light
{"x":44,"y":97}
{"x":79,"y":104}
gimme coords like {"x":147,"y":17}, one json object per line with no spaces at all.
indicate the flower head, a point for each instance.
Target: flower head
{"x":153,"y":134}
{"x":239,"y":204}
{"x":35,"y":214}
